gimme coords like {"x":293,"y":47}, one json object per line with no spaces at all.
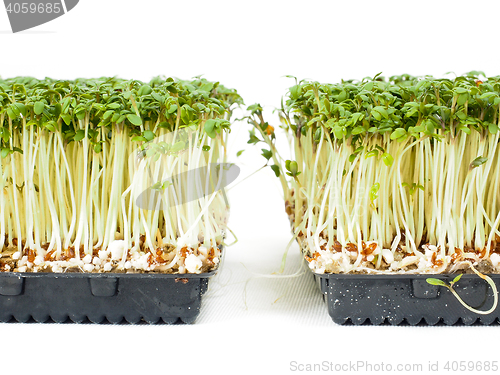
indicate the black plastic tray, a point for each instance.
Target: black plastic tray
{"x":112,"y":297}
{"x":396,"y":299}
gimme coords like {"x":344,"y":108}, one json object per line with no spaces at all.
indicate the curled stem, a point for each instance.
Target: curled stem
{"x":234,"y":235}
{"x":470,"y":308}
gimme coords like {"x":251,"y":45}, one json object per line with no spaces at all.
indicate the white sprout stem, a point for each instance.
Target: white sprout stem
{"x":429,"y":195}
{"x":493,"y":288}
{"x":71,"y":196}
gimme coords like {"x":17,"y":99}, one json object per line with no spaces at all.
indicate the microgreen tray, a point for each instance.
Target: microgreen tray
{"x":112,"y":297}
{"x":396,"y":299}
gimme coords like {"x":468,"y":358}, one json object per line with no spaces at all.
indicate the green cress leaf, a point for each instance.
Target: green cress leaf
{"x":455,"y":280}
{"x":437,"y":282}
{"x":239,"y":153}
{"x":357,"y":117}
{"x":56,"y":112}
{"x":294,"y":92}
{"x":157,"y":186}
{"x":178,"y":146}
{"x":79,"y":135}
{"x":398,"y":133}
{"x":276,"y":170}
{"x":255,"y":108}
{"x":134,"y":119}
{"x":172,"y":89}
{"x":338,"y":132}
{"x":492,"y":128}
{"x":465,"y":129}
{"x":108,"y":114}
{"x":253,"y":138}
{"x":379,"y":112}
{"x":157,"y":97}
{"x":4,"y":153}
{"x":460,"y":90}
{"x":374,"y":191}
{"x":145,"y":90}
{"x":293,"y":168}
{"x":415,"y":106}
{"x":113,"y":106}
{"x":14,"y":110}
{"x":462,"y":98}
{"x":149,"y":135}
{"x":80,"y":115}
{"x":50,"y":125}
{"x":420,"y":84}
{"x":210,"y":128}
{"x":5,"y":134}
{"x":357,"y":130}
{"x":38,"y":108}
{"x":387,"y":159}
{"x":267,"y":154}
{"x":478,"y":162}
{"x":66,"y":106}
{"x":20,"y":108}
{"x":172,"y":109}
{"x":368,"y":86}
{"x":66,"y":118}
{"x":138,"y":138}
{"x":115,"y":117}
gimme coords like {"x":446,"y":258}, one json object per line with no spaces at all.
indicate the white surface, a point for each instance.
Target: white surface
{"x":250,"y":323}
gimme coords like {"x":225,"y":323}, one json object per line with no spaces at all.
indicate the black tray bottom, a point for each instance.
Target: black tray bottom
{"x":101,"y":298}
{"x":406,"y":300}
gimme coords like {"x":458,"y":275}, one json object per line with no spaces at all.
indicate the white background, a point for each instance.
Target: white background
{"x":248,"y":322}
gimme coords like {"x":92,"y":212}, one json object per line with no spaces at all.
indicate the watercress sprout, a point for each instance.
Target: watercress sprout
{"x":77,"y":155}
{"x":390,"y":174}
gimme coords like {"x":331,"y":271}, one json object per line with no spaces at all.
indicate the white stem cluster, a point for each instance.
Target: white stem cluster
{"x":426,"y":209}
{"x":65,"y":204}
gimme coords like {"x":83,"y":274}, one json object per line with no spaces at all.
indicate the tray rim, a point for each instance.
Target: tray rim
{"x":401,"y":276}
{"x":104,"y":275}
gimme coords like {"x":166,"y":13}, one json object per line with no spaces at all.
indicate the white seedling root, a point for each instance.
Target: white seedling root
{"x":75,"y":198}
{"x":426,"y":212}
{"x":493,"y":287}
